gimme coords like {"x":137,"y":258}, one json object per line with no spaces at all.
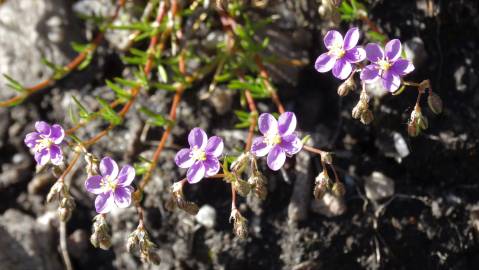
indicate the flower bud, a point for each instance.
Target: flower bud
{"x":189,"y":207}
{"x":359,"y":109}
{"x":101,"y":236}
{"x":240,"y":227}
{"x":321,"y":185}
{"x":338,"y":189}
{"x":239,"y":165}
{"x":367,"y":117}
{"x":242,"y":187}
{"x":435,"y":102}
{"x":327,"y":157}
{"x":151,"y":257}
{"x":412,"y":129}
{"x":346,"y":87}
{"x":54,"y":190}
{"x":64,"y":213}
{"x":258,"y":183}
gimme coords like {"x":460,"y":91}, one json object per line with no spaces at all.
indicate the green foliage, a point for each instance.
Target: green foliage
{"x":120,"y":92}
{"x":256,"y":86}
{"x":155,"y":119}
{"x":351,"y":11}
{"x":14,"y":85}
{"x":108,"y":113}
{"x":58,"y":71}
{"x":142,"y":166}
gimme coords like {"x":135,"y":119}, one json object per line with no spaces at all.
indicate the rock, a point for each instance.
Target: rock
{"x":29,"y":246}
{"x":329,"y":206}
{"x":393,"y":145}
{"x":459,"y":78}
{"x":206,"y":216}
{"x":46,"y":34}
{"x":301,"y":197}
{"x":378,"y":186}
{"x":415,"y":51}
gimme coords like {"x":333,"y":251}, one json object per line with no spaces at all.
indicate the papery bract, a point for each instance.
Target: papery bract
{"x":386,"y":64}
{"x":45,"y":143}
{"x":342,"y":53}
{"x":112,"y":186}
{"x":278,"y":140}
{"x":201,"y":158}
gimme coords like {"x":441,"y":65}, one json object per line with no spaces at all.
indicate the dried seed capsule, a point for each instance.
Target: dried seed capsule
{"x":367,"y":117}
{"x":435,"y":102}
{"x":338,"y":189}
{"x":240,"y":226}
{"x":242,"y":187}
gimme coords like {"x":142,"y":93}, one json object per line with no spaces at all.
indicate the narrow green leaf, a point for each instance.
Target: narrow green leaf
{"x":118,"y":90}
{"x":108,"y":113}
{"x":79,"y":47}
{"x":83,"y":111}
{"x":13,"y":84}
{"x":72,"y":114}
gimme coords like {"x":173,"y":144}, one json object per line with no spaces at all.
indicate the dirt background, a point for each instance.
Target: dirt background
{"x":430,"y":222}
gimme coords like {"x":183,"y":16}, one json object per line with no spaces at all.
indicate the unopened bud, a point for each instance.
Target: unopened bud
{"x":346,"y":87}
{"x":358,"y":110}
{"x":367,"y":117}
{"x":435,"y":102}
{"x":189,"y":207}
{"x":64,"y":213}
{"x":242,"y":187}
{"x":239,"y":165}
{"x":327,"y":157}
{"x":54,"y":190}
{"x":322,"y":183}
{"x":258,"y":183}
{"x":153,"y":257}
{"x":338,"y":189}
{"x":412,"y":129}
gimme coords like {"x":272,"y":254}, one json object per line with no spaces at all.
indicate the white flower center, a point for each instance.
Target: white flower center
{"x":384,"y":64}
{"x":108,"y":184}
{"x":272,"y":138}
{"x":337,"y":50}
{"x":198,"y":154}
{"x":42,"y":144}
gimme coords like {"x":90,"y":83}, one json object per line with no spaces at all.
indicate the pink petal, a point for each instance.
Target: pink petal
{"x":42,"y":127}
{"x":351,"y":38}
{"x":393,"y":49}
{"x":369,"y":74}
{"x":196,"y":172}
{"x":108,"y":167}
{"x":57,"y":134}
{"x":267,"y":123}
{"x":31,"y":139}
{"x":104,"y":203}
{"x":198,"y":138}
{"x":276,"y":158}
{"x":212,"y":165}
{"x":291,"y":144}
{"x":42,"y":157}
{"x":342,"y":69}
{"x":259,"y":148}
{"x":374,"y":52}
{"x":122,"y":196}
{"x":287,"y":123}
{"x":214,"y":146}
{"x":391,"y":81}
{"x":184,"y":159}
{"x":126,"y":176}
{"x":333,"y":38}
{"x":355,"y":55}
{"x":93,"y":184}
{"x":402,"y":67}
{"x":56,"y":155}
{"x":324,"y":63}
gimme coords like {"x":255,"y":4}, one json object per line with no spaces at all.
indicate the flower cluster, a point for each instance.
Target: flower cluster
{"x":112,"y":186}
{"x":46,"y":143}
{"x":386,"y":64}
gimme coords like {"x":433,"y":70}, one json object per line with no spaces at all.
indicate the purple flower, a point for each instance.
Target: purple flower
{"x":111,"y":187}
{"x":278,"y":139}
{"x":387,"y":65}
{"x":45,"y":143}
{"x":341,"y":54}
{"x":202,"y":156}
